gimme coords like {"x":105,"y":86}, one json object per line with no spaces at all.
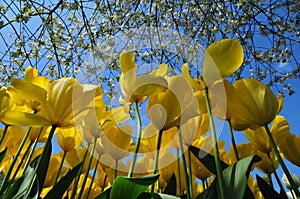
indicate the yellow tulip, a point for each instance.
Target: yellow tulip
{"x":34,"y":132}
{"x":288,"y":143}
{"x":254,"y":105}
{"x":221,"y":59}
{"x":95,"y":189}
{"x":165,"y":174}
{"x":126,"y":61}
{"x":173,"y":107}
{"x":76,"y":156}
{"x":143,"y":166}
{"x":68,"y":139}
{"x":136,"y":89}
{"x":31,"y":75}
{"x":52,"y":173}
{"x":244,"y":150}
{"x":192,"y":130}
{"x":254,"y":188}
{"x":8,"y":103}
{"x":149,"y":140}
{"x":108,"y":165}
{"x":195,"y":83}
{"x":13,"y":139}
{"x":259,"y":139}
{"x":116,"y":141}
{"x":62,"y":105}
{"x":205,"y":143}
{"x":100,"y":119}
{"x":198,"y":169}
{"x":264,"y":165}
{"x":222,"y":94}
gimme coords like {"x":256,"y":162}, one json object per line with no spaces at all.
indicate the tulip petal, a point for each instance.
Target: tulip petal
{"x":161,"y":70}
{"x":148,"y":85}
{"x":29,"y":90}
{"x":24,"y":119}
{"x":30,"y":73}
{"x":226,"y":54}
{"x":197,"y":85}
{"x":127,"y":61}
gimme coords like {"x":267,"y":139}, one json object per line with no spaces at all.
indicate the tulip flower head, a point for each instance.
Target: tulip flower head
{"x":254,"y":105}
{"x":136,"y":89}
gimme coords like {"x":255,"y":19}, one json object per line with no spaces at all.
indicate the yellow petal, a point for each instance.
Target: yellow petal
{"x":196,"y":84}
{"x":226,"y":54}
{"x":68,"y":139}
{"x":254,"y":105}
{"x":30,"y":73}
{"x":280,"y":102}
{"x":29,"y":90}
{"x":126,"y":61}
{"x":173,"y":107}
{"x":259,"y":138}
{"x":117,"y":140}
{"x":41,"y":81}
{"x":148,"y":85}
{"x":161,"y":70}
{"x":24,"y":119}
{"x":222,"y":94}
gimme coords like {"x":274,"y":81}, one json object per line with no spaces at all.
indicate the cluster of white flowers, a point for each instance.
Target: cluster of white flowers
{"x":58,"y":36}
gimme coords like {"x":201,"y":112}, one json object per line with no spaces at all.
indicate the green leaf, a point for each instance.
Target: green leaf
{"x":145,"y":180}
{"x":104,"y":195}
{"x":62,"y":185}
{"x":235,"y":180}
{"x":171,"y":186}
{"x":210,"y":193}
{"x":147,"y":195}
{"x":236,"y":177}
{"x":29,"y":185}
{"x":2,"y":154}
{"x":267,"y":191}
{"x":14,"y":188}
{"x":207,"y":159}
{"x":41,"y":171}
{"x":124,"y":187}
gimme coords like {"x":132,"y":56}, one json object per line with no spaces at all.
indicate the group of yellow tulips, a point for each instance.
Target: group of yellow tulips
{"x":35,"y":111}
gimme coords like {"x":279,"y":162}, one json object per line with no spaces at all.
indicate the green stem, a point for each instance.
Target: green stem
{"x":157,"y":152}
{"x":285,"y":169}
{"x":32,"y":150}
{"x":93,"y":177}
{"x":188,"y":190}
{"x":292,"y":192}
{"x":275,"y":173}
{"x":138,"y":139}
{"x":206,"y":183}
{"x":74,"y":189}
{"x":5,"y":184}
{"x":155,"y":170}
{"x":270,"y":179}
{"x":214,"y":142}
{"x":237,"y":157}
{"x":104,"y":181}
{"x":190,"y":171}
{"x":20,"y":163}
{"x":88,"y":168}
{"x":60,"y":167}
{"x":3,"y":134}
{"x":203,"y":185}
{"x":46,"y":148}
{"x":179,"y":173}
{"x":116,"y":169}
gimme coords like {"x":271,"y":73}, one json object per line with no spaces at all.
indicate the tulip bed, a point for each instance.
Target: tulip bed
{"x":175,"y":155}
